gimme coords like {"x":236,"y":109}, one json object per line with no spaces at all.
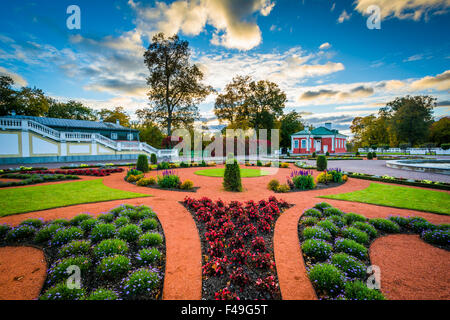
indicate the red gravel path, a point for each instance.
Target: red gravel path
{"x":411,"y":269}
{"x":183,"y":265}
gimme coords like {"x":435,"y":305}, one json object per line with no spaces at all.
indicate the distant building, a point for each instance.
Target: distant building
{"x":320,"y":140}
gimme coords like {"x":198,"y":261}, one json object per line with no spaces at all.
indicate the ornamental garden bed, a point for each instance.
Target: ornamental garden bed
{"x":168,"y":181}
{"x":121,"y":254}
{"x":81,"y":172}
{"x":336,"y":247}
{"x":237,"y":247}
{"x":25,"y":179}
{"x":403,"y":181}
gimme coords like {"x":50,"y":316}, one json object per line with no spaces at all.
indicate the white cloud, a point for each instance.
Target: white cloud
{"x":404,"y":9}
{"x":325,"y":46}
{"x":440,"y":82}
{"x":344,"y":16}
{"x":18,"y":79}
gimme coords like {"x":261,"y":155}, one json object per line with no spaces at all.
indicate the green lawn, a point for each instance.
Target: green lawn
{"x":399,"y":197}
{"x":20,"y":200}
{"x":245,"y":173}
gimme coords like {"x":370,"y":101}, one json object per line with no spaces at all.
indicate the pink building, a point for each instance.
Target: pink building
{"x":319,"y":140}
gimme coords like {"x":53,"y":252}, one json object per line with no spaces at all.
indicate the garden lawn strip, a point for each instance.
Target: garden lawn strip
{"x":21,"y":200}
{"x":399,"y":197}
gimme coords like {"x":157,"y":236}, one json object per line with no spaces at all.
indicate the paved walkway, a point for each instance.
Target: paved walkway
{"x":183,"y":279}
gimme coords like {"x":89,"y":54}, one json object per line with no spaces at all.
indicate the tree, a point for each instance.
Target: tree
{"x":150,"y":134}
{"x":70,"y":110}
{"x":440,"y":131}
{"x":7,"y":95}
{"x":175,"y":84}
{"x":117,"y":113}
{"x":370,"y":130}
{"x":289,"y":124}
{"x":410,"y":117}
{"x":249,"y":104}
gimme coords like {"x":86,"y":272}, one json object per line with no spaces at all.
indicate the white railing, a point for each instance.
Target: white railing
{"x":22,"y":124}
{"x":417,"y":151}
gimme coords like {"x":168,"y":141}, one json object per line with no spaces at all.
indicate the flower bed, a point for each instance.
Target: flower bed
{"x":121,"y":254}
{"x":21,"y":169}
{"x":29,"y":179}
{"x":100,"y":165}
{"x":409,"y":182}
{"x":81,"y":172}
{"x":238,"y":261}
{"x":168,"y":181}
{"x":336,"y":246}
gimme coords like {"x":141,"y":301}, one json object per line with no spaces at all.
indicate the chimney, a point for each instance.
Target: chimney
{"x":328,"y":125}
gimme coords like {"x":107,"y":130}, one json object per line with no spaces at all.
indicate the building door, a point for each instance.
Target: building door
{"x":325,"y":149}
{"x":318,"y":145}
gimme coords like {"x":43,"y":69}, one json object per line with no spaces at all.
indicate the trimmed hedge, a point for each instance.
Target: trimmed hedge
{"x":232,"y":177}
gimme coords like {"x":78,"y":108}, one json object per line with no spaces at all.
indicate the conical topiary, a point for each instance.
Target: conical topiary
{"x":142,"y":163}
{"x":232,"y":177}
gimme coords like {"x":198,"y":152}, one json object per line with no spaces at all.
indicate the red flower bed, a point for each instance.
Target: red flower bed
{"x":81,"y":172}
{"x":237,"y":247}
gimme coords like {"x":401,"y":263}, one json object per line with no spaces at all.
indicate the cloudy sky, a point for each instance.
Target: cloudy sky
{"x":320,"y":52}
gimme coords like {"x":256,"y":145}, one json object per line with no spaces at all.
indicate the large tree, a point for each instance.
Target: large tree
{"x":370,"y":130}
{"x":249,"y":104}
{"x":175,"y":83}
{"x":117,"y":113}
{"x":440,"y":131}
{"x":7,"y":95}
{"x":410,"y":117}
{"x":70,"y":110}
{"x":289,"y":124}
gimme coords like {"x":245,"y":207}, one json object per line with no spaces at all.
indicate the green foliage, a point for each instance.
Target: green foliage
{"x":103,"y":231}
{"x":58,"y":272}
{"x":351,"y":266}
{"x":103,"y":294}
{"x":316,"y":249}
{"x":153,"y":159}
{"x":357,"y":290}
{"x":74,"y":248}
{"x":401,"y":221}
{"x":149,"y":224}
{"x":187,"y":185}
{"x":304,"y":182}
{"x":327,"y":278}
{"x":419,"y":224}
{"x":150,"y":239}
{"x":171,"y":181}
{"x":142,"y":163}
{"x":232,"y":177}
{"x":77,"y":220}
{"x":61,"y":222}
{"x":356,"y":234}
{"x":62,"y":292}
{"x":67,"y":235}
{"x":327,"y":212}
{"x":312,"y":213}
{"x":369,"y":229}
{"x":309,"y":221}
{"x":273,"y":185}
{"x":337,"y":220}
{"x":350,"y":217}
{"x":329,"y":226}
{"x":437,"y":237}
{"x":369,"y":156}
{"x":88,"y":225}
{"x":37,"y":223}
{"x":385,"y":225}
{"x":106,"y":217}
{"x":321,"y":163}
{"x":316,"y":233}
{"x":351,"y":247}
{"x":122,"y":221}
{"x":20,"y":233}
{"x":163,"y":166}
{"x":141,"y":282}
{"x":46,"y":233}
{"x":110,"y":247}
{"x":4,"y":229}
{"x":322,"y":205}
{"x":283,"y":188}
{"x":149,"y":256}
{"x":113,"y":267}
{"x":130,"y":232}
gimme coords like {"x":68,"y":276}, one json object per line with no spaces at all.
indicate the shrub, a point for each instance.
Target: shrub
{"x":58,"y":272}
{"x":322,"y":206}
{"x":103,"y":231}
{"x":232,"y":177}
{"x":332,"y":212}
{"x":64,"y":236}
{"x":46,"y":233}
{"x":187,"y":185}
{"x":419,"y":224}
{"x":144,"y":212}
{"x":283,"y":188}
{"x":150,"y":239}
{"x":401,"y":221}
{"x":163,"y":166}
{"x":374,"y":155}
{"x":324,"y":177}
{"x":149,"y":224}
{"x":329,"y":226}
{"x":259,"y":163}
{"x":438,"y":237}
{"x":369,"y":229}
{"x":88,"y":225}
{"x":350,"y":217}
{"x":356,"y":234}
{"x":369,"y":156}
{"x":149,"y":256}
{"x":37,"y":223}
{"x":110,"y":247}
{"x":314,"y":154}
{"x":144,"y":182}
{"x":317,"y":249}
{"x":312,"y":213}
{"x":122,"y":221}
{"x":141,"y":282}
{"x":316,"y":233}
{"x":61,"y":222}
{"x":284,"y":165}
{"x":327,"y":278}
{"x":169,"y":180}
{"x":336,"y":175}
{"x":62,"y":292}
{"x":273,"y":185}
{"x":153,"y":158}
{"x":357,"y":154}
{"x":357,"y":290}
{"x":337,"y":220}
{"x":103,"y":294}
{"x":385,"y":225}
{"x":351,"y":266}
{"x":106,"y":217}
{"x":130,"y":232}
{"x":142,"y":163}
{"x":74,"y":248}
{"x":321,"y":163}
{"x":20,"y":233}
{"x":77,"y":220}
{"x":113,"y":267}
{"x":309,"y":221}
{"x":4,"y":229}
{"x":327,"y":154}
{"x":302,"y":182}
{"x":351,"y":247}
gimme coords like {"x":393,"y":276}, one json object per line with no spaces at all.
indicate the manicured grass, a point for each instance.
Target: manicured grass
{"x":245,"y":173}
{"x":399,"y":197}
{"x":20,"y":200}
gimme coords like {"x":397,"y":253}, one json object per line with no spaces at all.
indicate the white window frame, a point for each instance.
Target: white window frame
{"x":129,"y":136}
{"x":303,"y":143}
{"x":296,"y":144}
{"x":114,"y":135}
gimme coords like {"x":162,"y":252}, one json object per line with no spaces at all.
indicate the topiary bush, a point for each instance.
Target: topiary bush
{"x":327,"y":278}
{"x":110,"y":247}
{"x":130,"y":232}
{"x":141,"y":282}
{"x":103,"y":231}
{"x":142,"y":163}
{"x":103,"y":294}
{"x":75,"y":248}
{"x":356,"y":234}
{"x":369,"y":156}
{"x":62,"y":292}
{"x":369,"y":229}
{"x":113,"y":267}
{"x":316,"y":249}
{"x":357,"y":290}
{"x":385,"y":225}
{"x":150,"y":239}
{"x":351,"y":247}
{"x":153,"y":159}
{"x":321,"y":163}
{"x":316,"y":233}
{"x":149,"y":256}
{"x":65,"y":236}
{"x":352,"y":267}
{"x":232,"y":177}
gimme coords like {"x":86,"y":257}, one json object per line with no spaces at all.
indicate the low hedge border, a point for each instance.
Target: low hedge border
{"x":30,"y":179}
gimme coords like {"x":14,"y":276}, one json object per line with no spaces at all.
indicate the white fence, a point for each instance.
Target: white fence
{"x":417,"y":151}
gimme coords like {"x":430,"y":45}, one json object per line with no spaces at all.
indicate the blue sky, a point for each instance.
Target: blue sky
{"x":320,"y":52}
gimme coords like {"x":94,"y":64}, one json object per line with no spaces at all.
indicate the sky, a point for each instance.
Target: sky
{"x":322,"y":53}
